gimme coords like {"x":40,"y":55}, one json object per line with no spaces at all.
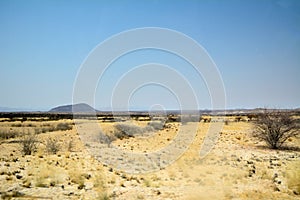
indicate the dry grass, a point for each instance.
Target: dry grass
{"x":29,"y":144}
{"x":72,"y":173}
{"x":293,"y":177}
{"x":52,"y":145}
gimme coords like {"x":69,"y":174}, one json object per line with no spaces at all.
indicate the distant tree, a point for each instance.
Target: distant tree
{"x":275,"y":127}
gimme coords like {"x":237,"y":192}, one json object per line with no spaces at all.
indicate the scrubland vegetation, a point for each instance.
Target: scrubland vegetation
{"x":47,"y":159}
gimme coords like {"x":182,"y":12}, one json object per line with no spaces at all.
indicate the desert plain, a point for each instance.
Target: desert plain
{"x":62,"y":166}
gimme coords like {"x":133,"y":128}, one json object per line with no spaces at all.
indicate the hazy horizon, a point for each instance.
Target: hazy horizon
{"x":254,"y":44}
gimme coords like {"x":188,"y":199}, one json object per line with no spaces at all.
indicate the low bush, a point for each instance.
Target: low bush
{"x":7,"y":134}
{"x":105,"y":139}
{"x":156,"y":125}
{"x":52,"y":146}
{"x":29,"y":144}
{"x":63,"y":127}
{"x":125,"y":130}
{"x":129,"y":130}
{"x":190,"y":118}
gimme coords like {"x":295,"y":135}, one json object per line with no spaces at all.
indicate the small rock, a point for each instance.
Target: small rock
{"x":249,"y":162}
{"x":19,"y":176}
{"x":276,"y":189}
{"x":80,"y":187}
{"x":88,"y":186}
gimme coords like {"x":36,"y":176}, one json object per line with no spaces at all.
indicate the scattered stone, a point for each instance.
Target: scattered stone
{"x":249,"y":162}
{"x":19,"y":176}
{"x":80,"y":186}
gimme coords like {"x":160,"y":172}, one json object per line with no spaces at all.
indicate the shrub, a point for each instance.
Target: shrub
{"x":52,"y":146}
{"x":125,"y":130}
{"x":63,"y":127}
{"x":105,"y":139}
{"x":190,"y":118}
{"x":156,"y":125}
{"x":128,"y":130}
{"x":7,"y":134}
{"x":275,"y":127}
{"x":29,"y":144}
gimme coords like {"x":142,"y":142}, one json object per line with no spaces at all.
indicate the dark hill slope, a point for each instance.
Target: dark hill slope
{"x":77,"y":108}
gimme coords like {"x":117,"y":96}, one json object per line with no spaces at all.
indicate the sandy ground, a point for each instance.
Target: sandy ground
{"x":238,"y":167}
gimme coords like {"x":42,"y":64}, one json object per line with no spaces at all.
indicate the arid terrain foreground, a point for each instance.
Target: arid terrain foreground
{"x":61,"y":166}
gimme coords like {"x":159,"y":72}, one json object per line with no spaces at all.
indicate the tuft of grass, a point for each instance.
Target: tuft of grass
{"x":70,"y":145}
{"x":103,"y":196}
{"x":77,"y":178}
{"x":46,"y":176}
{"x":293,"y":177}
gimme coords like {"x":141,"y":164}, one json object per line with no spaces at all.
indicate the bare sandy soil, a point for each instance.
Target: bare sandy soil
{"x":238,"y":167}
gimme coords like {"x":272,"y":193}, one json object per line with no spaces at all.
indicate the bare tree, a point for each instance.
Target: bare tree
{"x":275,"y":127}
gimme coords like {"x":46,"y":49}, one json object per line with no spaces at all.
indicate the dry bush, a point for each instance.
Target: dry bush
{"x":275,"y":127}
{"x":156,"y":125}
{"x":7,"y":134}
{"x":125,"y":130}
{"x":52,"y":145}
{"x":77,"y":178}
{"x":45,"y":128}
{"x":29,"y":144}
{"x":189,"y":118}
{"x":63,"y":127}
{"x":106,"y":139}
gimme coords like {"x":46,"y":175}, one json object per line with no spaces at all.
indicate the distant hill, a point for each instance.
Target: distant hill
{"x":77,"y":108}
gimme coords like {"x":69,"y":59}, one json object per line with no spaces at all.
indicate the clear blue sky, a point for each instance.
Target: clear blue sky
{"x":255,"y":44}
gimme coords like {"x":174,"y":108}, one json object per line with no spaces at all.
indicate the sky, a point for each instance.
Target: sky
{"x":254,"y":44}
